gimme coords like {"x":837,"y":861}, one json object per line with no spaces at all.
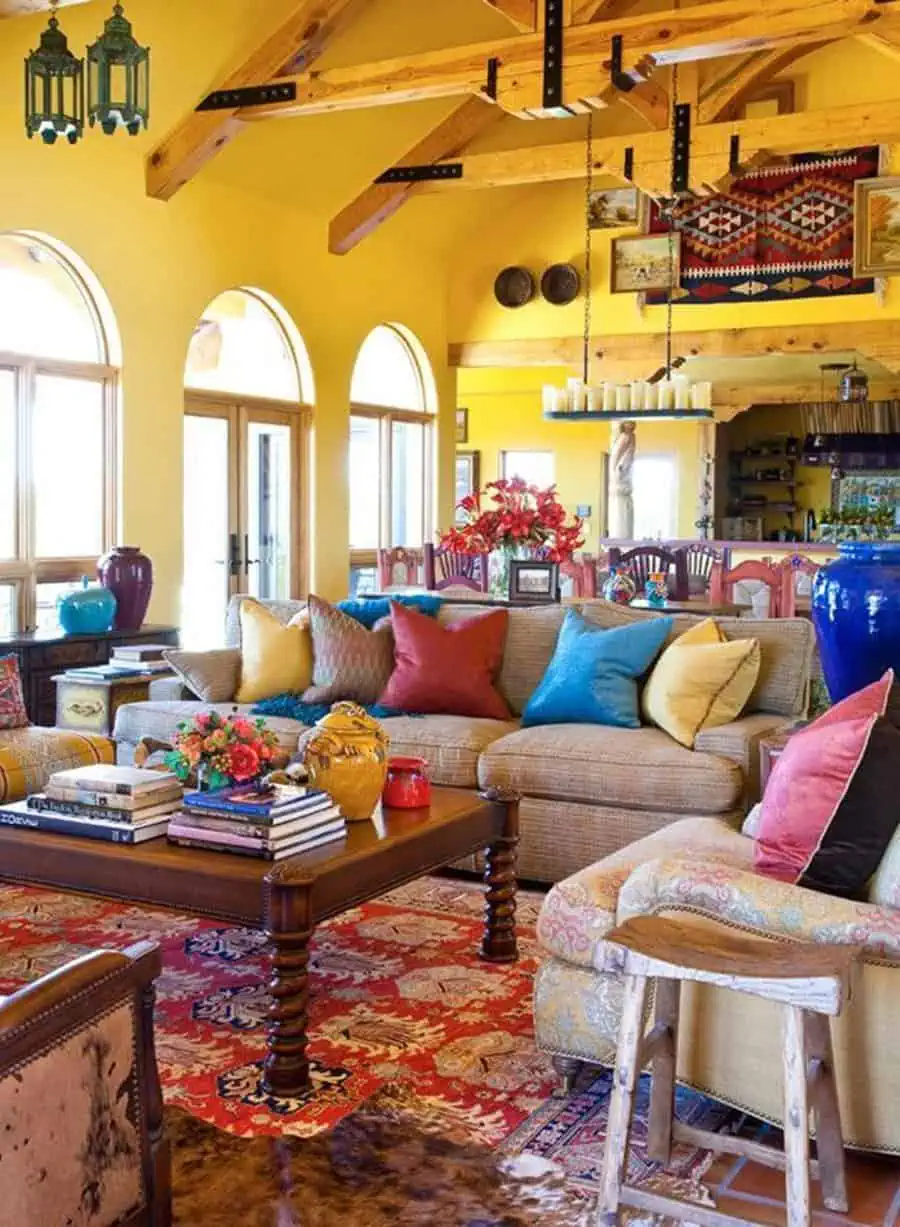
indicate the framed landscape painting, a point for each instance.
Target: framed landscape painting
{"x":876,"y":228}
{"x":616,"y":208}
{"x":644,"y":263}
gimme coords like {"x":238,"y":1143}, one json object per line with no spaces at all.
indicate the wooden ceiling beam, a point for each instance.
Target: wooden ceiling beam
{"x":726,"y":95}
{"x":522,"y":13}
{"x":199,"y":136}
{"x":717,"y":29}
{"x":829,"y":128}
{"x":619,"y":355}
{"x":888,"y":45}
{"x":382,"y":200}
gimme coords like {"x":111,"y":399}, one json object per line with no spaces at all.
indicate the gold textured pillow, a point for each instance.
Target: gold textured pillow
{"x":212,"y":676}
{"x":702,"y":681}
{"x":275,"y":659}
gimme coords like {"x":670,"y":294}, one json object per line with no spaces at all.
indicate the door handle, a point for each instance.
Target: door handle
{"x":248,"y":561}
{"x":234,"y":554}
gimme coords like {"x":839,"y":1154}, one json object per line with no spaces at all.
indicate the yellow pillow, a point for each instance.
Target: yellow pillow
{"x":275,"y":658}
{"x":702,"y":681}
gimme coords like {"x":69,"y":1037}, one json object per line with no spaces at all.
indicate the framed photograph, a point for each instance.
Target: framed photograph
{"x":462,"y":426}
{"x":468,"y":477}
{"x":876,"y":228}
{"x":533,"y":583}
{"x":617,"y":208}
{"x":642,"y":263}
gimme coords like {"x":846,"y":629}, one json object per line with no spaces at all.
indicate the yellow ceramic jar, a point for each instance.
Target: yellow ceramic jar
{"x":346,"y":754}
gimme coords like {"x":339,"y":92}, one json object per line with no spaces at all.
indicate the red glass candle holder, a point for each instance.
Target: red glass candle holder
{"x":407,"y":785}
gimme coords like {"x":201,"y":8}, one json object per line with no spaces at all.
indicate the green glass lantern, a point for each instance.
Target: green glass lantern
{"x":54,"y":88}
{"x":118,"y":78}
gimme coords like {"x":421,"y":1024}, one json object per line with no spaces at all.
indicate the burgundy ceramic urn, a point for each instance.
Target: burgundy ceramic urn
{"x":128,"y":574}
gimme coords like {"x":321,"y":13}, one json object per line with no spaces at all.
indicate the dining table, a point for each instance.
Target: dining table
{"x":692,"y":605}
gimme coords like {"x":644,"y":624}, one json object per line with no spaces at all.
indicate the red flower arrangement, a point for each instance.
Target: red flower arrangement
{"x":519,"y":518}
{"x":221,"y":750}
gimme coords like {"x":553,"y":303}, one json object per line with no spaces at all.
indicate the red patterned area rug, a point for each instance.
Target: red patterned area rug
{"x":402,"y":1010}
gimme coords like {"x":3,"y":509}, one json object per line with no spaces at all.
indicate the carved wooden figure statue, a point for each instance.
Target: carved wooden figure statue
{"x":621,"y":495}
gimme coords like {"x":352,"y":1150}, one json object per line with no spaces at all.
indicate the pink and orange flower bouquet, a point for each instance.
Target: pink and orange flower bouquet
{"x":215,"y":751}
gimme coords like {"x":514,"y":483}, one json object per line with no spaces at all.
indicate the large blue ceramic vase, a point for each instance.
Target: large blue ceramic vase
{"x":856,"y":611}
{"x":88,"y":610}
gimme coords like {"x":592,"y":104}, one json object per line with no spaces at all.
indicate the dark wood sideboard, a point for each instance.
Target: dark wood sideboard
{"x":42,"y":654}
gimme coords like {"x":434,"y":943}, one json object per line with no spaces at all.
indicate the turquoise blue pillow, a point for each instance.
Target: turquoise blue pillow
{"x":592,"y":677}
{"x":370,"y":612}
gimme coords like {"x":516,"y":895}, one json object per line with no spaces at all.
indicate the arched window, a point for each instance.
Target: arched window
{"x":58,"y":390}
{"x":249,"y":386}
{"x":391,"y":449}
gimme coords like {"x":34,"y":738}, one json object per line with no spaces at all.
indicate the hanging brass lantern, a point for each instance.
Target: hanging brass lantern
{"x":854,"y":385}
{"x":118,"y":78}
{"x":54,"y":88}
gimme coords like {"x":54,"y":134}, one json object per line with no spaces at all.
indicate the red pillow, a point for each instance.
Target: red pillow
{"x":12,"y":702}
{"x":448,"y":670}
{"x":829,"y":809}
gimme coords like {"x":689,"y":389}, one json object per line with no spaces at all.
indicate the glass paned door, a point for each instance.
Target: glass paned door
{"x":8,"y":465}
{"x":242,"y":511}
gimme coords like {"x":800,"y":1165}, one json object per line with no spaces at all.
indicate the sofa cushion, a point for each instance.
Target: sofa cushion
{"x":530,"y":641}
{"x":579,"y":911}
{"x":786,"y":650}
{"x":29,"y":756}
{"x":13,"y":714}
{"x":632,"y":768}
{"x":161,"y":720}
{"x":275,"y":659}
{"x":451,"y":745}
{"x":211,"y":676}
{"x":283,"y":611}
{"x":349,"y":661}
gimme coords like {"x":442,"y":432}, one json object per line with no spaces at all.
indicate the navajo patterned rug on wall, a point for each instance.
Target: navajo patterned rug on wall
{"x":403,"y":1013}
{"x":783,"y":232}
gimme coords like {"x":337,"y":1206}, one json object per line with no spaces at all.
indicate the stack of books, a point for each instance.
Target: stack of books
{"x":271,"y":825}
{"x":147,"y":657}
{"x":122,"y":805}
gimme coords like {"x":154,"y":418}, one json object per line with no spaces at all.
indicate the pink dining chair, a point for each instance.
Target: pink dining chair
{"x":791,"y":567}
{"x":583,"y":574}
{"x":449,"y":569}
{"x":400,"y":567}
{"x":722,"y":582}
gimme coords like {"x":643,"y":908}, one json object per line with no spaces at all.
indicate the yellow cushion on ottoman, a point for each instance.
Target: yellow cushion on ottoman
{"x":702,"y":681}
{"x":275,"y":659}
{"x":29,"y":756}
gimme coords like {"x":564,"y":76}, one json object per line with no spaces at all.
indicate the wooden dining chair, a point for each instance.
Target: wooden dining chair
{"x":700,"y":558}
{"x":722,"y":582}
{"x":583,"y":574}
{"x":400,"y":567}
{"x":791,"y":568}
{"x":643,"y":560}
{"x":449,"y":569}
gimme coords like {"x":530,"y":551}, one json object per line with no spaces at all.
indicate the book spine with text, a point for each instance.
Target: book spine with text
{"x":75,"y":809}
{"x":111,"y":833}
{"x":255,"y":830}
{"x":130,"y":802}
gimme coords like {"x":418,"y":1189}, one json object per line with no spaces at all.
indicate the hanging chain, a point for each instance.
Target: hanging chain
{"x":670,"y":209}
{"x":588,"y":245}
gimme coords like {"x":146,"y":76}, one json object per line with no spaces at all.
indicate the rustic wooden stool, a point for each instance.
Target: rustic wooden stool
{"x":810,"y":981}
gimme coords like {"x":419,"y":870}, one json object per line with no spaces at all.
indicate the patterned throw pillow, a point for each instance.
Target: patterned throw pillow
{"x":212,"y":676}
{"x":12,"y":701}
{"x":349,"y":661}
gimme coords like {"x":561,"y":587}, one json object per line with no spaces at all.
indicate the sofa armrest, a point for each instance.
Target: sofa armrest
{"x":739,"y":742}
{"x":759,"y":904}
{"x":169,"y":690}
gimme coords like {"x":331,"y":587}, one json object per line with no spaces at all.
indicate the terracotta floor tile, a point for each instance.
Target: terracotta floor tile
{"x":872,"y":1184}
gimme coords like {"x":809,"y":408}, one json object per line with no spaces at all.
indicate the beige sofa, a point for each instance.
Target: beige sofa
{"x":587,"y":790}
{"x":730,"y":1044}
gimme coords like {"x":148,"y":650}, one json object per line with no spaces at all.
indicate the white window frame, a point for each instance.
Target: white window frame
{"x":672,"y":459}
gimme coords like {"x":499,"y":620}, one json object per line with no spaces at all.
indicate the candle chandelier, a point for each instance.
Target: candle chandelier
{"x":118,"y":83}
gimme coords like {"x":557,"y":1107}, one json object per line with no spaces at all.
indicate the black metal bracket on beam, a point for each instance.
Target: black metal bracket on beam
{"x":490,"y":89}
{"x":553,"y":53}
{"x":734,"y":156}
{"x":618,"y":76}
{"x":249,"y":96}
{"x":628,"y":164}
{"x":681,"y":150}
{"x":422,"y":174}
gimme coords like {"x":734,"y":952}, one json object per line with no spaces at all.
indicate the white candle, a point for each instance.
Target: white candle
{"x":701,"y":395}
{"x":563,"y":401}
{"x":594,"y":399}
{"x":665,"y":395}
{"x":682,"y":392}
{"x":638,"y":394}
{"x":577,"y":395}
{"x":548,"y":396}
{"x":609,"y":397}
{"x":623,"y":398}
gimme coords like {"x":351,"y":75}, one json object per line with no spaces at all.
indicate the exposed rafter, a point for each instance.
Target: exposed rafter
{"x":295,"y":44}
{"x":595,"y":10}
{"x":522,"y":13}
{"x":718,"y":29}
{"x":885,"y":44}
{"x":725,"y":96}
{"x":829,"y":128}
{"x":380,"y":201}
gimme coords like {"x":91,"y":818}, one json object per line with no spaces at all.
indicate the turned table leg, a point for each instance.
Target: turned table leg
{"x":289,"y":929}
{"x":498,"y":944}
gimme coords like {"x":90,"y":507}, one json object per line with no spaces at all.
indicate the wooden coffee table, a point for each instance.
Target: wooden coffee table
{"x":287,"y":900}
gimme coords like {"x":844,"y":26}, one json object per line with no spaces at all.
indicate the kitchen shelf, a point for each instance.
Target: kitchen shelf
{"x":635,"y":415}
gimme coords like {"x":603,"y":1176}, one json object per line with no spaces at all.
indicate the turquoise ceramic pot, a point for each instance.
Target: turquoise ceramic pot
{"x":89,"y":610}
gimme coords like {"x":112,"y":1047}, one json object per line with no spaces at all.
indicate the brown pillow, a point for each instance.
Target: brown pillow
{"x":212,"y":676}
{"x":349,"y":661}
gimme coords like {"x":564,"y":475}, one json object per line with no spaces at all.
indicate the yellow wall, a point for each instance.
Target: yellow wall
{"x":505,"y":414}
{"x":161,"y":264}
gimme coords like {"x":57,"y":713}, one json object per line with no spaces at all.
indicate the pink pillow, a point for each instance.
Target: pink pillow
{"x":872,"y":700}
{"x":447,"y":669}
